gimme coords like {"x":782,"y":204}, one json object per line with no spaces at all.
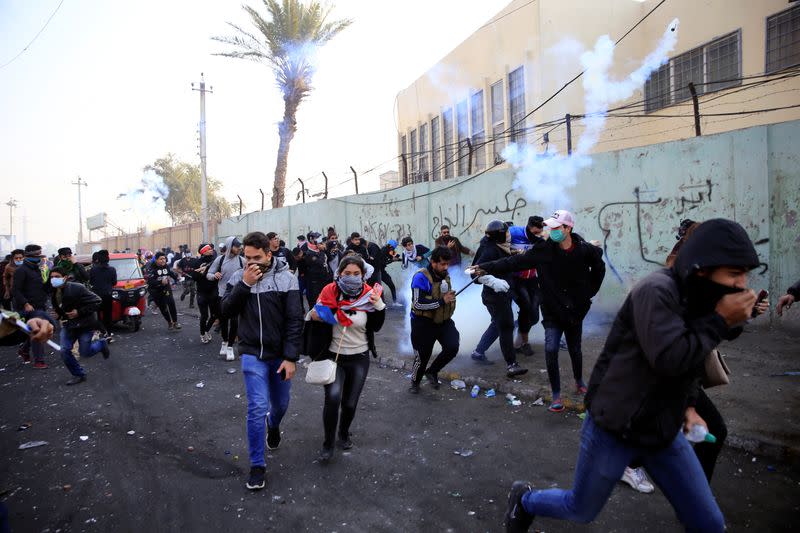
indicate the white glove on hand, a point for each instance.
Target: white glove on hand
{"x":497,"y":285}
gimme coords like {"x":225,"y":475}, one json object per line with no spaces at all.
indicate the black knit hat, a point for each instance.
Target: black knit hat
{"x":715,"y":243}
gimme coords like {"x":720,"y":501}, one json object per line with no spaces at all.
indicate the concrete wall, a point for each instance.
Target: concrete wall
{"x":631,"y":200}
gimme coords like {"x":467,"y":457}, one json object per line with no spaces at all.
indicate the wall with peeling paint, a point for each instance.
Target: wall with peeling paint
{"x":630,"y":200}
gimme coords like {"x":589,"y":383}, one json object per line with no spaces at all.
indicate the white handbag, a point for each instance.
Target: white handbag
{"x":324,"y":372}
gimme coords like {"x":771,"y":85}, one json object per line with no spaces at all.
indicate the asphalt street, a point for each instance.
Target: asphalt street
{"x":184,"y":466}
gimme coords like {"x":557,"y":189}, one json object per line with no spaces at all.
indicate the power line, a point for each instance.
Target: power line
{"x":34,"y":37}
{"x":504,"y":15}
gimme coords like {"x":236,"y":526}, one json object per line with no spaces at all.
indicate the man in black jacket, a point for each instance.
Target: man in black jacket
{"x":570,"y":272}
{"x":266,"y":298}
{"x":496,"y":246}
{"x":103,"y":278}
{"x":643,"y":385}
{"x":30,"y":296}
{"x":369,"y":252}
{"x":159,"y":284}
{"x":281,"y":252}
{"x":76,"y":306}
{"x":207,"y":289}
{"x":66,"y":262}
{"x":314,"y":267}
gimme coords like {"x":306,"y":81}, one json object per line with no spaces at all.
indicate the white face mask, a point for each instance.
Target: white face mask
{"x":57,"y":282}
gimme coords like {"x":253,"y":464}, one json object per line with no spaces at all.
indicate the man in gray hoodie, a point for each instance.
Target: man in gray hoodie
{"x":222,"y":269}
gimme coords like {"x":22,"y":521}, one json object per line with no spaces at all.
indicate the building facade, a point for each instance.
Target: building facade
{"x":742,"y":57}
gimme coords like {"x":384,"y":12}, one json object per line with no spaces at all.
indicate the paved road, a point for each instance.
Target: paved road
{"x":184,"y":468}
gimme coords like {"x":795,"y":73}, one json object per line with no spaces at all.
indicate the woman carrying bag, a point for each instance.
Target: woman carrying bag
{"x":341,"y":328}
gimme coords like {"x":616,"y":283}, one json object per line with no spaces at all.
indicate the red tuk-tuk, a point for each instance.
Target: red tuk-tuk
{"x":129,"y":296}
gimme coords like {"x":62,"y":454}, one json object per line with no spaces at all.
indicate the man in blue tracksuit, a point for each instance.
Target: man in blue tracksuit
{"x":266,"y":299}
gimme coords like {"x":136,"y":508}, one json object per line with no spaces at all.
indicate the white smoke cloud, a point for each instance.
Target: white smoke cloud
{"x":547,"y":177}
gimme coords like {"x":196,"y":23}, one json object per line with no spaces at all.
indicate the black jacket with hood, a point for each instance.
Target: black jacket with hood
{"x":651,"y":365}
{"x":568,"y":279}
{"x":270,"y":313}
{"x":29,"y":287}
{"x":197,"y":269}
{"x":489,"y":251}
{"x":74,"y":296}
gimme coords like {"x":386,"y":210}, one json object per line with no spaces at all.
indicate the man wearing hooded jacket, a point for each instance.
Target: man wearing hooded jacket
{"x":207,"y":290}
{"x":646,"y":380}
{"x":570,"y":272}
{"x":266,"y":298}
{"x":227,"y":263}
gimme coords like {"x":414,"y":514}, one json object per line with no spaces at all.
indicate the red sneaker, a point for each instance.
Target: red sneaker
{"x":40,"y":364}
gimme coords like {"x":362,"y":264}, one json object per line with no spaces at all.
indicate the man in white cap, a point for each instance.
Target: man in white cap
{"x":570,"y":271}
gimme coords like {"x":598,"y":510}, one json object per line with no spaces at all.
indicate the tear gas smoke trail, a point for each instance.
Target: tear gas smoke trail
{"x":147,"y":201}
{"x":547,"y":177}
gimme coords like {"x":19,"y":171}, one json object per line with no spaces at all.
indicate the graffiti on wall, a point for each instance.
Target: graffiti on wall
{"x":694,"y":202}
{"x":460,"y":218}
{"x":381,"y":232}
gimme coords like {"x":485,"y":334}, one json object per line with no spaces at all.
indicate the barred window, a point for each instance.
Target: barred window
{"x":478,"y":132}
{"x":404,"y":164}
{"x":516,"y":104}
{"x":712,"y":67}
{"x":447,"y":125}
{"x":435,"y":147}
{"x":423,"y":152}
{"x":414,"y":156}
{"x":462,"y":126}
{"x":783,"y":39}
{"x":498,"y":121}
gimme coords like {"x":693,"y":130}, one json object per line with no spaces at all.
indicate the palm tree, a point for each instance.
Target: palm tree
{"x":287,"y":44}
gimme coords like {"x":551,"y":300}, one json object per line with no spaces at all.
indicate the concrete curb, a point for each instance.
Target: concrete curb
{"x":757,"y":446}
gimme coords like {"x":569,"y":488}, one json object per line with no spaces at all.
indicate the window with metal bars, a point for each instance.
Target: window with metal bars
{"x":414,"y":156}
{"x":712,"y":67}
{"x":783,"y":39}
{"x":435,"y":147}
{"x":462,"y":126}
{"x":423,"y":152}
{"x":516,"y":104}
{"x":404,"y":159}
{"x":478,"y":132}
{"x":498,"y":121}
{"x":447,"y":125}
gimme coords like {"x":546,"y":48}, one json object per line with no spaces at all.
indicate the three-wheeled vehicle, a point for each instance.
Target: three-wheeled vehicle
{"x":129,"y":296}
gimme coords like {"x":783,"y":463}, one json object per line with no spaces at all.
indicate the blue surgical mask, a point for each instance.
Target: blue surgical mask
{"x":19,"y":263}
{"x":57,"y":282}
{"x":350,"y":285}
{"x":557,"y":235}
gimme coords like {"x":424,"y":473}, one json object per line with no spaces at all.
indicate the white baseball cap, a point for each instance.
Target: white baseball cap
{"x":560,"y":218}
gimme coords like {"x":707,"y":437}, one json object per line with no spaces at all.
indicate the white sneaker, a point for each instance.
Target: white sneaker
{"x":229,"y":356}
{"x":224,"y":349}
{"x":637,"y":479}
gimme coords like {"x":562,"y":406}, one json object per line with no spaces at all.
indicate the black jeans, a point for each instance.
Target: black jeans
{"x":499,"y":307}
{"x":166,"y":304}
{"x":552,"y":339}
{"x":707,"y":452}
{"x":525,"y":293}
{"x":424,"y":333}
{"x":228,"y":326}
{"x":387,"y":280}
{"x":205,"y":303}
{"x":351,"y":374}
{"x":190,"y":288}
{"x":105,"y":311}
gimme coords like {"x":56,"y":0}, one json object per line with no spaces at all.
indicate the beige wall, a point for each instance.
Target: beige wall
{"x":537,"y":36}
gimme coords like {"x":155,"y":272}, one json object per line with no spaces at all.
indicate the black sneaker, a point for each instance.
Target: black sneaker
{"x":273,"y":438}
{"x":76,"y":380}
{"x":526,"y":350}
{"x":257,"y":479}
{"x":325,"y":455}
{"x":344,"y":442}
{"x":515,"y":370}
{"x":481,"y":359}
{"x":433,"y":379}
{"x":517,"y":519}
{"x":104,"y":350}
{"x":414,"y":388}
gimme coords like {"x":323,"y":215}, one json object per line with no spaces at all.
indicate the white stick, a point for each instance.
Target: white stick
{"x":24,"y":327}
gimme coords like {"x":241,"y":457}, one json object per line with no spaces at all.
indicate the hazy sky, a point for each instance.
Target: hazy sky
{"x":106,"y":90}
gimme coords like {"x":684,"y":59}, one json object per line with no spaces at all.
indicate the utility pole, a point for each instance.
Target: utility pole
{"x":203,"y":180}
{"x":11,"y":205}
{"x":80,"y":183}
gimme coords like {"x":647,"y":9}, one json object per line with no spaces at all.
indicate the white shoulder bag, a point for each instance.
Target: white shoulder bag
{"x":324,"y":372}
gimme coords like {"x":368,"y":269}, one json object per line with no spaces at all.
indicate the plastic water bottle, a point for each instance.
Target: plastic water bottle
{"x":475,"y":391}
{"x":698,"y":433}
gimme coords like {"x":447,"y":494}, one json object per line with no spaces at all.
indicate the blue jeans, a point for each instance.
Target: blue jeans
{"x":267,"y":401}
{"x":552,"y":339}
{"x":86,"y":347}
{"x":602,"y":460}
